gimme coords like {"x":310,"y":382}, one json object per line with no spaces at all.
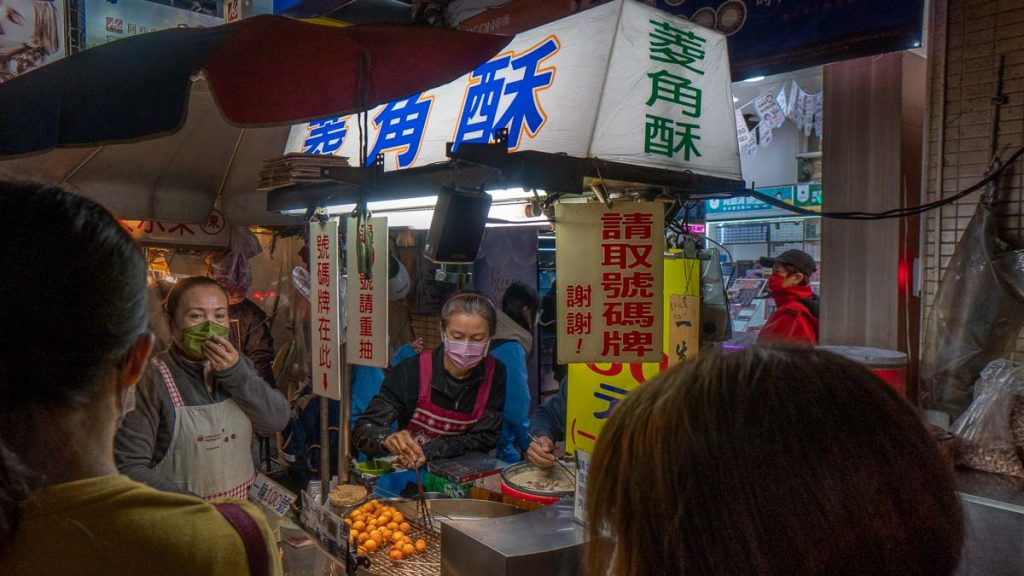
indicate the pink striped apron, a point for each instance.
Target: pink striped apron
{"x":429,"y":421}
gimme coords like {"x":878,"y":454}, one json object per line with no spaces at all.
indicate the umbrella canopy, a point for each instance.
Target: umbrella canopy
{"x":208,"y":134}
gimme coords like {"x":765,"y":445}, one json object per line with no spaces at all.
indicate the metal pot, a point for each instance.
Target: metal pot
{"x":510,"y":487}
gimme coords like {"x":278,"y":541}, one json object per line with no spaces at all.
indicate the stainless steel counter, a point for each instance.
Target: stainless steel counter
{"x":994,"y":516}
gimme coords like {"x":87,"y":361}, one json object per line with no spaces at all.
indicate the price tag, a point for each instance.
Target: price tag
{"x":582,"y":471}
{"x":271,"y":495}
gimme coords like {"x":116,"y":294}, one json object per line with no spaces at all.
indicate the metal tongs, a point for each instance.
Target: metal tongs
{"x":425,"y":516}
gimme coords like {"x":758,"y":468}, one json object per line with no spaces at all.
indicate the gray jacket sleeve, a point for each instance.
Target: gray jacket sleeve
{"x":144,"y":436}
{"x":265,"y":406}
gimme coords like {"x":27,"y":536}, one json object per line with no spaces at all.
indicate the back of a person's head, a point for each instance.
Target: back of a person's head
{"x":72,"y":304}
{"x":517,"y":297}
{"x":770,"y":462}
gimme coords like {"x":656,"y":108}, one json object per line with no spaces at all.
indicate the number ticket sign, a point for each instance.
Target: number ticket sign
{"x":367,"y":291}
{"x":325,"y":304}
{"x":271,"y":495}
{"x":610,"y":278}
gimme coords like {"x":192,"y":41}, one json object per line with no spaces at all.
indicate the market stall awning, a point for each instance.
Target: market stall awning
{"x":157,"y":126}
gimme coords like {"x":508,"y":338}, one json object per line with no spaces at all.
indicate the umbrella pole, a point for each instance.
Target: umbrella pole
{"x":325,"y":449}
{"x":344,"y":430}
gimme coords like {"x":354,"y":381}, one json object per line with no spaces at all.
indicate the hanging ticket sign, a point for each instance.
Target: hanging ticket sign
{"x":367,"y":292}
{"x":769,"y":110}
{"x":611,"y":312}
{"x":325,"y":304}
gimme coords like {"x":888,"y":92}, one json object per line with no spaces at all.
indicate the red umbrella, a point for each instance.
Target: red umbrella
{"x":261,"y":72}
{"x":264,"y":70}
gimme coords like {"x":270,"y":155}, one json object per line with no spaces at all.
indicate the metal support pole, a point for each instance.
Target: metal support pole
{"x":325,"y":450}
{"x":345,"y":414}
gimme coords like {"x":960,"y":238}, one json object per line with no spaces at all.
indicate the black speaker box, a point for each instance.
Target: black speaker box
{"x":458,"y":226}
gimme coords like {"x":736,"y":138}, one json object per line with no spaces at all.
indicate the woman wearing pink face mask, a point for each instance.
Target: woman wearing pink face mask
{"x":447,"y":402}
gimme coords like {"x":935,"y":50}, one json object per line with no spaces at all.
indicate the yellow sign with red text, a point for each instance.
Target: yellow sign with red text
{"x":596,"y":389}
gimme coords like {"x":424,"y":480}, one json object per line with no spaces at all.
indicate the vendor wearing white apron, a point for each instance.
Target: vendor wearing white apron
{"x":447,"y":402}
{"x":198,"y":404}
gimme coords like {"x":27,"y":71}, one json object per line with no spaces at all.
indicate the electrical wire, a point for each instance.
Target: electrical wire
{"x":993,"y":176}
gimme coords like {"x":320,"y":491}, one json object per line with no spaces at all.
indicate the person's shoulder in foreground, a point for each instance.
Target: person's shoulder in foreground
{"x":113,"y":525}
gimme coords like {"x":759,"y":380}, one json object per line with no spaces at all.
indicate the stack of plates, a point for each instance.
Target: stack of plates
{"x":295,"y":168}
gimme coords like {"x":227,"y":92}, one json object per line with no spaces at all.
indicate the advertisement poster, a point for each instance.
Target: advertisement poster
{"x":32,"y":34}
{"x":595,"y":389}
{"x":106,"y":21}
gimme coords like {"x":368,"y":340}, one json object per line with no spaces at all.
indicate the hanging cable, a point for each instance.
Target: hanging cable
{"x":993,"y":176}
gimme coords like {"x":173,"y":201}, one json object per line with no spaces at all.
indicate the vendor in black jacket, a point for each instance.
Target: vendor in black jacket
{"x":447,"y":402}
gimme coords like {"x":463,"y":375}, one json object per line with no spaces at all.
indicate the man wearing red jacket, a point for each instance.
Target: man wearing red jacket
{"x":795,"y":320}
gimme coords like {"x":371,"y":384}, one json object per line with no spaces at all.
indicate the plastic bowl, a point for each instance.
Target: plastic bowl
{"x":374,"y":467}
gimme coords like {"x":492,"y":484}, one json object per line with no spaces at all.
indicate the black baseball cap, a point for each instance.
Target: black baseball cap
{"x":798,"y":259}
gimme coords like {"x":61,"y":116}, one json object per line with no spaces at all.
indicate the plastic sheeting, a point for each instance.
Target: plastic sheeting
{"x":977,"y":314}
{"x":715,"y":320}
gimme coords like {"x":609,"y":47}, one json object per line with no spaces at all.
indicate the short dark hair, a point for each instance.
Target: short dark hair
{"x":469,"y":302}
{"x":67,"y":323}
{"x":181,"y":287}
{"x":518,"y":296}
{"x":772,"y":462}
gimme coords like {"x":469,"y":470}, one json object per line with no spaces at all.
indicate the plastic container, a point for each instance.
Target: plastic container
{"x":889,"y":365}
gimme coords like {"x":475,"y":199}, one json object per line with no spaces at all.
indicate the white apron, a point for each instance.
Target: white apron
{"x":210,"y":452}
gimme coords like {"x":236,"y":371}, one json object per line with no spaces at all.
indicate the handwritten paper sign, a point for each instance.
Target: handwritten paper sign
{"x":271,"y":495}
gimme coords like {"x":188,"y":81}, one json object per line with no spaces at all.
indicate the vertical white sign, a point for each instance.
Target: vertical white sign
{"x":582,"y":472}
{"x":366,"y":247}
{"x":325,"y":304}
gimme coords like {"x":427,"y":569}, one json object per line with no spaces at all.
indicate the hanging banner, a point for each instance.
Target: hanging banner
{"x":609,"y":282}
{"x":769,"y":111}
{"x":325,"y":301}
{"x":655,"y":90}
{"x":367,"y":292}
{"x":773,"y":36}
{"x":596,"y":389}
{"x":214,"y":235}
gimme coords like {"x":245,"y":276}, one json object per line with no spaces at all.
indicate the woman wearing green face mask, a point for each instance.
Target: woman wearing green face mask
{"x":199,"y":404}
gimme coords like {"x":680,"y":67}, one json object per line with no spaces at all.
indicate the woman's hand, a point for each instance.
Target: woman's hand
{"x":221,"y":354}
{"x":408,"y":450}
{"x":541,"y":452}
{"x":417,"y":345}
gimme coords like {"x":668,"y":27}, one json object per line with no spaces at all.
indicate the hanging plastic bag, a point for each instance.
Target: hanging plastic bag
{"x":986,"y":427}
{"x":716,"y":324}
{"x":978,"y":312}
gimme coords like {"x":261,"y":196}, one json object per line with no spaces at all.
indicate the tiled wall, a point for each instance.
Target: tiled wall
{"x":967,"y":37}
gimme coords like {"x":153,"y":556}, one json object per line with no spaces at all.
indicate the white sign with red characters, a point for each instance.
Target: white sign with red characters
{"x":610,"y":276}
{"x":367,"y":294}
{"x":325,"y":304}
